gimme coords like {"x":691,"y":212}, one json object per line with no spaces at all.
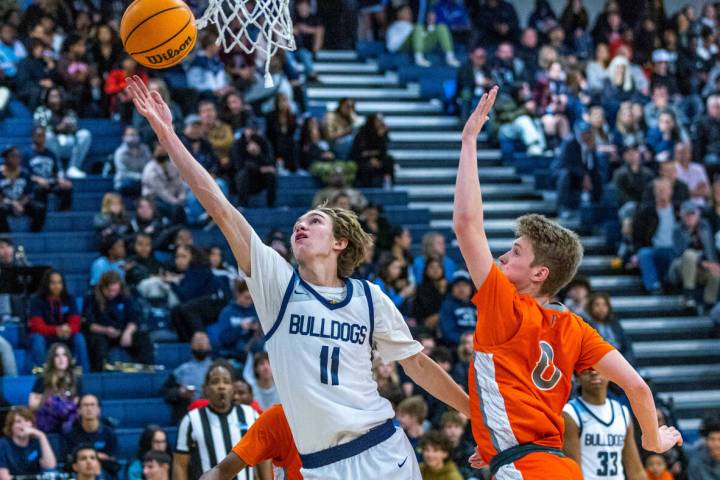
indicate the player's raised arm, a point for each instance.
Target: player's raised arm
{"x":236,"y":229}
{"x":618,"y":370}
{"x":468,"y":209}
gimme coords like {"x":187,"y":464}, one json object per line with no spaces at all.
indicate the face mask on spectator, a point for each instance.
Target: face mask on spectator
{"x":132,"y":140}
{"x":200,"y":355}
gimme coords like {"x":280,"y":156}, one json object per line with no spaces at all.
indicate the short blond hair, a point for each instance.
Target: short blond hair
{"x":554,"y":247}
{"x":346,"y":225}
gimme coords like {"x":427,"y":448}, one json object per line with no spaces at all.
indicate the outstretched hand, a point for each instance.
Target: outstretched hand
{"x":668,"y":437}
{"x":475,"y":123}
{"x":150,"y":104}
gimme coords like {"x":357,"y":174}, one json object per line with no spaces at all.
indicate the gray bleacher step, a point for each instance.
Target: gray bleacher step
{"x":336,"y":55}
{"x":428,"y":137}
{"x":370,"y":66}
{"x":695,"y":326}
{"x":645,"y":302}
{"x":494,"y":207}
{"x":689,"y":424}
{"x":504,"y":244}
{"x":430,"y":155}
{"x":417,"y":122}
{"x":670,"y":349}
{"x":592,"y":264}
{"x":364,"y":107}
{"x":389,"y":79}
{"x":614,"y":282}
{"x":358,"y":93}
{"x":693,"y":400}
{"x":490,"y":192}
{"x":405,"y":175}
{"x":670,"y":374}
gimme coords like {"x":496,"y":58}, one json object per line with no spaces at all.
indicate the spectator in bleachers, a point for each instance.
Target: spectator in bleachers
{"x":680,"y":191}
{"x":628,"y":130}
{"x":596,"y":70}
{"x":78,"y":77}
{"x":142,"y":125}
{"x":495,"y":21}
{"x":419,"y":38}
{"x":53,"y":317}
{"x":602,"y":319}
{"x":206,"y":73}
{"x":473,"y":78}
{"x":25,"y":450}
{"x":389,"y":272}
{"x":149,"y":221}
{"x":338,"y":127}
{"x":152,"y":438}
{"x":631,"y":179}
{"x":433,"y":245}
{"x":144,"y":264}
{"x":12,"y":51}
{"x":411,"y":414}
{"x":578,"y":165}
{"x":388,"y":381}
{"x":430,"y":294}
{"x":46,"y":172}
{"x":312,"y":147}
{"x":85,"y":462}
{"x":36,"y":74}
{"x":603,"y":142}
{"x":184,"y":384}
{"x":161,"y":182}
{"x":54,"y":395}
{"x":574,"y":18}
{"x":130,"y":159}
{"x":505,"y":68}
{"x":105,"y":49}
{"x":705,"y":463}
{"x":373,"y":220}
{"x":111,"y":221}
{"x":243,"y":394}
{"x":577,"y":294}
{"x":258,"y":374}
{"x":11,"y":306}
{"x":234,"y":111}
{"x":369,"y":150}
{"x":281,"y":127}
{"x":91,"y":429}
{"x":196,"y":141}
{"x":156,"y":465}
{"x":464,"y":355}
{"x":661,"y":140}
{"x":437,"y":455}
{"x":712,"y":211}
{"x":226,"y":273}
{"x":119,"y":103}
{"x":237,"y":331}
{"x":200,"y":293}
{"x":659,"y":102}
{"x":692,"y":174}
{"x":696,"y":261}
{"x":653,"y":227}
{"x":309,"y":36}
{"x":656,"y":467}
{"x":112,"y":318}
{"x":454,"y":425}
{"x":8,"y":366}
{"x":255,"y":166}
{"x":112,"y":259}
{"x":217,"y":132}
{"x":517,"y":115}
{"x":65,"y":139}
{"x":16,"y":197}
{"x":706,"y":135}
{"x":457,"y":313}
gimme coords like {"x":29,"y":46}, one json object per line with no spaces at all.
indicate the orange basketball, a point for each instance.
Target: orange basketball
{"x":158,"y":33}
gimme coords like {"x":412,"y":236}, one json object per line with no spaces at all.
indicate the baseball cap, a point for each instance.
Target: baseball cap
{"x":689,"y":207}
{"x":661,"y":55}
{"x":461,"y":276}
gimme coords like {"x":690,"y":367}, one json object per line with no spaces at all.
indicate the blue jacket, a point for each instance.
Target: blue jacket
{"x":228,"y":330}
{"x":456,"y":318}
{"x":197,"y":282}
{"x":396,"y":298}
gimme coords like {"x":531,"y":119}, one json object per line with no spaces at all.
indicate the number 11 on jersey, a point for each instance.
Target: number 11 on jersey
{"x":334,"y":358}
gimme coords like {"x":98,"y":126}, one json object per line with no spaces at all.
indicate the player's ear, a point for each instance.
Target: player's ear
{"x":540,"y":273}
{"x":340,"y":243}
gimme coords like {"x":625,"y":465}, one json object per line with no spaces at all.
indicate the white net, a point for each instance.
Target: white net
{"x":252,"y":25}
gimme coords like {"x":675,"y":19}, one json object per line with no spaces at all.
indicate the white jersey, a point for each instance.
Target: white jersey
{"x":602,"y":437}
{"x":319,"y":341}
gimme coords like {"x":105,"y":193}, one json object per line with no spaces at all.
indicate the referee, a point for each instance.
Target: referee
{"x":206,"y":435}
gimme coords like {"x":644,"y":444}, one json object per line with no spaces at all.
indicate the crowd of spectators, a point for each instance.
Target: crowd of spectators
{"x":628,"y":107}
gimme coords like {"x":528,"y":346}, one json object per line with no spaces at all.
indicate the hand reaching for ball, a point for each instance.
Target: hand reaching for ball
{"x":150,"y":105}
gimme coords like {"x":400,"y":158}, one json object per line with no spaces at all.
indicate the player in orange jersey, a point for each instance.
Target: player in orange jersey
{"x":269,"y":438}
{"x":526,"y":349}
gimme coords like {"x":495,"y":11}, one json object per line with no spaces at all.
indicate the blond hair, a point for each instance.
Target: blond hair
{"x":107,"y":199}
{"x":346,"y":225}
{"x":554,"y":247}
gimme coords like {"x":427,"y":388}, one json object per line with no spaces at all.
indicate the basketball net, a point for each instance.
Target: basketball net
{"x":253,"y":25}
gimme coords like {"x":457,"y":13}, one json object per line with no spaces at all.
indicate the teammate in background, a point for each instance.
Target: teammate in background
{"x":321,"y":328}
{"x":269,"y":438}
{"x":525,"y":349}
{"x":599,"y":433}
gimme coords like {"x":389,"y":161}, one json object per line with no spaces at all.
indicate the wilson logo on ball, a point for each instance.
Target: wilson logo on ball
{"x":170,"y":54}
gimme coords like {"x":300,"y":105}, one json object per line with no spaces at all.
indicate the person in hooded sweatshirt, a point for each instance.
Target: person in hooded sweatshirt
{"x":457,"y":313}
{"x":237,"y":331}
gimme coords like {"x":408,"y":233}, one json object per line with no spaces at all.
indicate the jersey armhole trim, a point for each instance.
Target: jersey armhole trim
{"x":283,"y":307}
{"x":577,"y":412}
{"x":622,"y":410}
{"x":371,"y":309}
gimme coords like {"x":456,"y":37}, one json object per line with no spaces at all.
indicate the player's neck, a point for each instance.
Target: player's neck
{"x":594,"y":398}
{"x":321,"y":275}
{"x":541,"y":299}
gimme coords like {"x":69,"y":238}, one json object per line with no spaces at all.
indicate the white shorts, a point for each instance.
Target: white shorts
{"x":393,"y":459}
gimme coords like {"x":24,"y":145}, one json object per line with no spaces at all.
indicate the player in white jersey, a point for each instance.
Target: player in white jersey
{"x":599,"y":433}
{"x":321,"y":328}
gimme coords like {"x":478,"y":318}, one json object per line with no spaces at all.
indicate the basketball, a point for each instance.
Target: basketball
{"x":158,"y":33}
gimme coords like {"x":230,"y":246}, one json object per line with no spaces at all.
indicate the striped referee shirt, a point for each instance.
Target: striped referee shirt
{"x":209,"y":437}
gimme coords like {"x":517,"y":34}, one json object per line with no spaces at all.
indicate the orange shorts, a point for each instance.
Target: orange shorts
{"x":546,"y":466}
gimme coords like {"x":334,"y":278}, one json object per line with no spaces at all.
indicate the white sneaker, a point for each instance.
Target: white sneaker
{"x":421,"y":61}
{"x":451,"y":60}
{"x":74,"y":172}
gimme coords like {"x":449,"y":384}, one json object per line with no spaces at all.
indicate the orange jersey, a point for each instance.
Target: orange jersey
{"x":270,"y":438}
{"x":521,"y":372}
